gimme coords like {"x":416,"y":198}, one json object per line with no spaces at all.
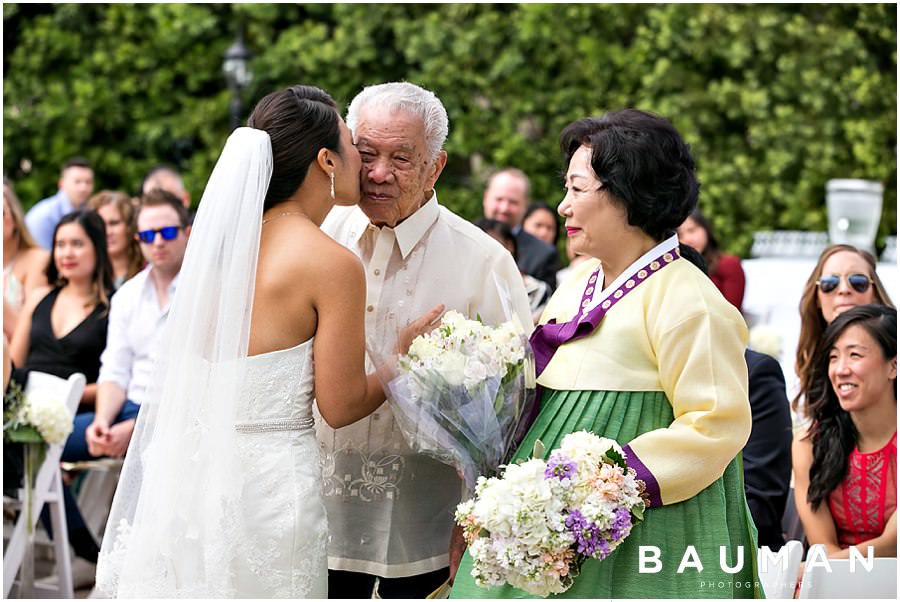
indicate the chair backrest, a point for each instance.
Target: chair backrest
{"x":832,"y":578}
{"x":69,"y":389}
{"x":778,"y":572}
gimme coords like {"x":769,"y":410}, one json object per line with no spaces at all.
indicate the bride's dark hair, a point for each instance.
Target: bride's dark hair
{"x":299,"y":120}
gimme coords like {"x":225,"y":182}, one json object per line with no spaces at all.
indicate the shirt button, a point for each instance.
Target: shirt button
{"x":377,"y":272}
{"x":370,"y":308}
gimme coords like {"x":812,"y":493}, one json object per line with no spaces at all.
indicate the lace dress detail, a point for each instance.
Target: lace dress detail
{"x":270,"y":535}
{"x":862,"y":503}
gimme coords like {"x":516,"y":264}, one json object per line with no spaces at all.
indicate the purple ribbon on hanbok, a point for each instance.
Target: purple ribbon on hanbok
{"x":547,"y":338}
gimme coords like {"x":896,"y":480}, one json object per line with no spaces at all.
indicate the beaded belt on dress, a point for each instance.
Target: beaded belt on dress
{"x":279,"y":424}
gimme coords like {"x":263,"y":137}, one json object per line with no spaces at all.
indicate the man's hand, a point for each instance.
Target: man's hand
{"x":457,"y":549}
{"x":118,"y":439}
{"x":422,"y":325}
{"x":97,"y":437}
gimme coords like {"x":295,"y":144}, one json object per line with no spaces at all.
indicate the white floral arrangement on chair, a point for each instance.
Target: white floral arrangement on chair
{"x":36,"y":419}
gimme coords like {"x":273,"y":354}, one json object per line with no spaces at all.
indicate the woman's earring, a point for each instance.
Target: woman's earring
{"x":332,"y":186}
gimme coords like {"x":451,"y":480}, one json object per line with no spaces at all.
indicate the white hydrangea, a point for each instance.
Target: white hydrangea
{"x":49,"y":415}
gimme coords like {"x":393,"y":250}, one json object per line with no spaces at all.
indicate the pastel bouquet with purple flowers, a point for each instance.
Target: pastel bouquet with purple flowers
{"x":535,"y":525}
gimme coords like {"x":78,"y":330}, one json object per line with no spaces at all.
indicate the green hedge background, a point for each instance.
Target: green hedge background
{"x":775,"y":99}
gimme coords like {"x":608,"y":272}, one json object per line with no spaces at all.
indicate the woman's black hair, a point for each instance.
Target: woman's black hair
{"x":643,"y":162}
{"x":541,"y":206}
{"x":300,"y":121}
{"x":102,"y":276}
{"x":833,"y":433}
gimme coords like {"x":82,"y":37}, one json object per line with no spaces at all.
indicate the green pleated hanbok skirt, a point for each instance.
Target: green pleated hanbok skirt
{"x":717,"y":516}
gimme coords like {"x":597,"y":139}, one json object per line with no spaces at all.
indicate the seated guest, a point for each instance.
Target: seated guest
{"x":166,"y":177}
{"x":538,"y":291}
{"x":845,"y":468}
{"x":542,"y":222}
{"x":724,"y":270}
{"x":76,"y":182}
{"x":62,"y":330}
{"x":118,"y":213}
{"x":767,"y":455}
{"x":844,"y":277}
{"x":24,"y":261}
{"x":505,"y":200}
{"x":136,"y":317}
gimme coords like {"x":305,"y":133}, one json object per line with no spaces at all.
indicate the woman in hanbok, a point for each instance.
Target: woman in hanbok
{"x":639,"y":346}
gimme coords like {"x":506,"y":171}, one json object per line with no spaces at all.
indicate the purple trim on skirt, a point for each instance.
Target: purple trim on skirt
{"x":643,"y":473}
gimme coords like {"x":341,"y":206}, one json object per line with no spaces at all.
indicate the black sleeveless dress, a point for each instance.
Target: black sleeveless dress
{"x":78,"y":351}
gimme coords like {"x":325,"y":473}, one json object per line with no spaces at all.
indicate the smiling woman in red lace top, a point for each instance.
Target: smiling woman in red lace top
{"x":845,"y":469}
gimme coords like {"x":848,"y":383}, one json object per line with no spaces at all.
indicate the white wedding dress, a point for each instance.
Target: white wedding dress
{"x":283,"y":553}
{"x":268,"y":537}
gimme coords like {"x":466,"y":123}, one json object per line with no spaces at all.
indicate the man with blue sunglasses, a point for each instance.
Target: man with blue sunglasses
{"x":137,"y":314}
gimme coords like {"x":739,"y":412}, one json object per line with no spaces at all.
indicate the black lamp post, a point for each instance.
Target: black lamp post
{"x":238,"y":75}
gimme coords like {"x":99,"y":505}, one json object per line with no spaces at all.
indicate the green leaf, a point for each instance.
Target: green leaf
{"x":616,"y":458}
{"x":23,"y":434}
{"x":638,"y":513}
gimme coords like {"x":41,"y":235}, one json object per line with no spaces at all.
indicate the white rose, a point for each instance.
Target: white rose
{"x":452,"y":366}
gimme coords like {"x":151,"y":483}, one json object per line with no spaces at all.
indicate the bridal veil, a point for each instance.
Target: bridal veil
{"x":174,"y":522}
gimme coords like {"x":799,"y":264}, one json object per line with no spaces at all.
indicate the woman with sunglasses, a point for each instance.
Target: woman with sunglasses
{"x":844,"y":277}
{"x":845,"y":469}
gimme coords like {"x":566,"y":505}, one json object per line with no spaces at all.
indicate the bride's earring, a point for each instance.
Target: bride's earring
{"x":332,"y":186}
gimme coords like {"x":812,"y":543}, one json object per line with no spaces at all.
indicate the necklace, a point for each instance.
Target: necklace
{"x":266,"y":221}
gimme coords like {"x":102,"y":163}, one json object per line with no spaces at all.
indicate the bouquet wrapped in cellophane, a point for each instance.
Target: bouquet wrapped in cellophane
{"x":461,"y":392}
{"x":534,"y":526}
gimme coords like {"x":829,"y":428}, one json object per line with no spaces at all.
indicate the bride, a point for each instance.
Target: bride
{"x":220,"y":493}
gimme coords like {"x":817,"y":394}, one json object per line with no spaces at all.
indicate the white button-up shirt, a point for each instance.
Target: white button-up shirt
{"x":390,"y":510}
{"x":136,"y":322}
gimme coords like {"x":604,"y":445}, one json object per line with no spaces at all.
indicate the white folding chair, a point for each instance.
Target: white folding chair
{"x":842,"y":578}
{"x":18,"y":558}
{"x":778,"y":572}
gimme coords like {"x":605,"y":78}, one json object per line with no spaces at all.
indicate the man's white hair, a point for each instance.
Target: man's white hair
{"x":407,"y":97}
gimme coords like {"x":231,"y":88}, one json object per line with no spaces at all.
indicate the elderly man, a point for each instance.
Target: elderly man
{"x":76,"y":182}
{"x":506,"y":200}
{"x":390,"y":510}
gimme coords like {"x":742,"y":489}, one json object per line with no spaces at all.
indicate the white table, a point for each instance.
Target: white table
{"x":772,"y":296}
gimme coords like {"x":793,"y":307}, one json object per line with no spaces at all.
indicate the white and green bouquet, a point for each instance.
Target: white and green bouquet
{"x":462,"y":391}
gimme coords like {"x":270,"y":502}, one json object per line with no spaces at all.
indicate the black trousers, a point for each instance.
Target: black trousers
{"x":347,"y":584}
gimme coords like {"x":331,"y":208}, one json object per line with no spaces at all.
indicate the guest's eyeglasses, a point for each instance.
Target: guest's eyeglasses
{"x":168,"y":233}
{"x":859,"y":282}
